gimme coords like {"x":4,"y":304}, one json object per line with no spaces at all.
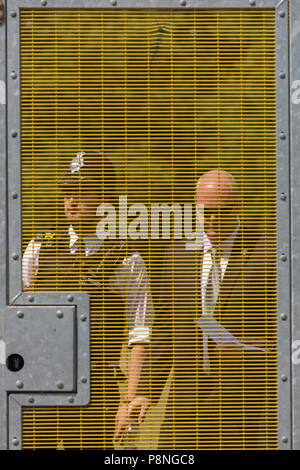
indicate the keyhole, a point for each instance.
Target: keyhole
{"x":15,"y":362}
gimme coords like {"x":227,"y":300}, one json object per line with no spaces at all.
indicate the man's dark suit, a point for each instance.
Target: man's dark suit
{"x":223,"y":409}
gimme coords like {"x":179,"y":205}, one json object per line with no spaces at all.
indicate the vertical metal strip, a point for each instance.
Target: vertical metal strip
{"x":3,"y":421}
{"x":14,"y":254}
{"x":15,"y":425}
{"x":283,"y":228}
{"x":295,"y":214}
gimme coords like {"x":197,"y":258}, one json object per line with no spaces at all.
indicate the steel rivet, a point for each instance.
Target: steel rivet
{"x":43,"y":3}
{"x":283,"y":197}
{"x":284,"y":439}
{"x":281,"y":74}
{"x":59,"y":314}
{"x":15,"y":441}
{"x":20,"y":314}
{"x":15,"y":256}
{"x":14,"y":195}
{"x":13,"y":14}
{"x":14,"y":133}
{"x":30,"y":298}
{"x":113,"y":3}
{"x":284,"y":378}
{"x":282,"y":135}
{"x":59,"y":385}
{"x":83,"y":380}
{"x":283,"y":257}
{"x":71,"y":400}
{"x":70,"y":298}
{"x":30,"y":400}
{"x":19,"y":384}
{"x":83,"y":317}
{"x":183,"y":3}
{"x":283,"y":316}
{"x":252,"y":2}
{"x":282,"y":14}
{"x":13,"y":74}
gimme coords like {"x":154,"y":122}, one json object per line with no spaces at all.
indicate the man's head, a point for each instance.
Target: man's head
{"x":218,"y":192}
{"x":89,"y":181}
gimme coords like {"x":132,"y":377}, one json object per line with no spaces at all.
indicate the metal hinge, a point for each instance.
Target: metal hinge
{"x":1,"y":12}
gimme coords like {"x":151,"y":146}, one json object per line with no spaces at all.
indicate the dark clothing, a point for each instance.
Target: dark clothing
{"x":225,"y":408}
{"x":59,"y":270}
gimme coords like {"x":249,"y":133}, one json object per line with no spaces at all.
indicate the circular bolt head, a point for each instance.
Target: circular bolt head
{"x":71,"y":400}
{"x":282,"y":135}
{"x":59,"y":314}
{"x":13,"y":14}
{"x":20,"y":314}
{"x":30,"y":400}
{"x":282,"y":75}
{"x":283,"y":316}
{"x":282,"y":14}
{"x":284,"y":439}
{"x":43,"y":3}
{"x":15,"y":441}
{"x":59,"y":385}
{"x":284,"y":378}
{"x":283,"y":197}
{"x":30,"y":298}
{"x":19,"y":384}
{"x":15,"y":256}
{"x":14,"y":195}
{"x":13,"y":75}
{"x":252,"y":3}
{"x":183,"y":3}
{"x":83,"y":317}
{"x":283,"y":257}
{"x":70,"y":298}
{"x":83,"y":380}
{"x":113,"y":3}
{"x":14,"y":133}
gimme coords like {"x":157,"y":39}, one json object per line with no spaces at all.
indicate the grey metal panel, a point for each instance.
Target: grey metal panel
{"x":224,"y":4}
{"x":79,"y":300}
{"x":3,"y":414}
{"x":283,"y":227}
{"x":295,"y":214}
{"x":45,"y":338}
{"x":14,"y":161}
{"x":81,"y":394}
{"x":14,"y":431}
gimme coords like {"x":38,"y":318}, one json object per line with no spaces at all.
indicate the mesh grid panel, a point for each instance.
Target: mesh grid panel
{"x":167,"y":95}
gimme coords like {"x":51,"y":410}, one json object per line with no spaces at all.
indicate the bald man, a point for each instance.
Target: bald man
{"x":215,"y":329}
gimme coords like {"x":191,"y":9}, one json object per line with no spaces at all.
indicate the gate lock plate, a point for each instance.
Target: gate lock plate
{"x":41,"y":349}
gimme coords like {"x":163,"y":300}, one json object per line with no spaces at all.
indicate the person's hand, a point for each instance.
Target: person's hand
{"x":257,"y":342}
{"x":231,"y":353}
{"x":138,"y":405}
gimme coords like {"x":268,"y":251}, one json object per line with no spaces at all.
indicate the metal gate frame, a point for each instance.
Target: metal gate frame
{"x":16,"y":305}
